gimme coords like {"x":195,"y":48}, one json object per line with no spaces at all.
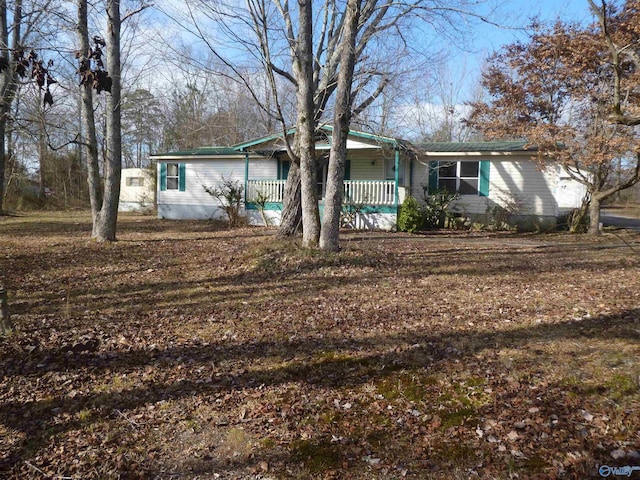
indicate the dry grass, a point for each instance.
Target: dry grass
{"x":189,"y":351}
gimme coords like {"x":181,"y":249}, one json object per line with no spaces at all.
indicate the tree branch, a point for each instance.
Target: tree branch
{"x":135,"y":12}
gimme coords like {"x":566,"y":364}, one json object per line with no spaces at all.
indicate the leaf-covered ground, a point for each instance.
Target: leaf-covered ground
{"x":188,"y":351}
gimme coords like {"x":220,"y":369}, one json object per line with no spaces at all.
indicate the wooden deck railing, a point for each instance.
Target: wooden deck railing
{"x":358,"y":192}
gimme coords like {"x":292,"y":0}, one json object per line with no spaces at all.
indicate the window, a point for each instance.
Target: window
{"x":173,"y":176}
{"x":321,"y":176}
{"x":135,"y":181}
{"x":460,"y":177}
{"x":390,"y":170}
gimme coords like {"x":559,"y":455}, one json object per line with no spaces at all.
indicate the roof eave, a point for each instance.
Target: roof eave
{"x":479,"y":153}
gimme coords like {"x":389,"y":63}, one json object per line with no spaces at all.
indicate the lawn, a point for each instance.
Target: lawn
{"x":185,"y":351}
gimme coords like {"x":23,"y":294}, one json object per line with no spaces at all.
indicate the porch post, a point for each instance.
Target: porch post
{"x":246,"y":176}
{"x":397,"y":179}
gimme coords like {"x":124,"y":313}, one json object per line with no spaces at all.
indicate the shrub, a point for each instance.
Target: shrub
{"x":229,"y":193}
{"x":574,"y":221}
{"x":503,"y":215}
{"x":436,"y":210}
{"x":261,"y":201}
{"x":411,"y":218}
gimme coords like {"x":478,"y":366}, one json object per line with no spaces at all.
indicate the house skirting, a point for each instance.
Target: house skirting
{"x":376,"y":217}
{"x":368,"y":217}
{"x":171,"y":211}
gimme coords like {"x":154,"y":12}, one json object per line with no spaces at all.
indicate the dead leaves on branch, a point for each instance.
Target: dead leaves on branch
{"x":29,"y":64}
{"x":92,"y":70}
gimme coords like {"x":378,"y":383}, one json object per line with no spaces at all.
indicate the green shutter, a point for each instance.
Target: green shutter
{"x":483,"y":188}
{"x":347,"y":170}
{"x":163,"y":177}
{"x":433,"y":177}
{"x":182,"y":181}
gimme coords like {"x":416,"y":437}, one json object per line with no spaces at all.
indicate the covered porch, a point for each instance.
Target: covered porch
{"x":384,"y":194}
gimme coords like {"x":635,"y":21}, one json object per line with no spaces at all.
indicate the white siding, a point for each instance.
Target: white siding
{"x":367,"y":165}
{"x":195,"y":202}
{"x":263,"y":169}
{"x":136,"y":197}
{"x":370,"y":165}
{"x":568,"y":192}
{"x":511,"y":179}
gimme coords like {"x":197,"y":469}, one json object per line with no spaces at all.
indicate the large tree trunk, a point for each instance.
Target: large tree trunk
{"x":305,"y":126}
{"x":594,"y":215}
{"x":8,"y":80}
{"x":5,"y":77}
{"x":330,"y":232}
{"x":3,"y":156}
{"x":292,"y":209}
{"x":88,"y":139}
{"x":104,"y":228}
{"x":5,"y":320}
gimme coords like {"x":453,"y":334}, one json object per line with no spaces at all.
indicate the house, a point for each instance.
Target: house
{"x":380,"y":173}
{"x":490,"y":175}
{"x":137,"y":190}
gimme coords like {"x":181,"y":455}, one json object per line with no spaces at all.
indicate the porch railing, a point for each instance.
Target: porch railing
{"x":358,"y":192}
{"x":272,"y":189}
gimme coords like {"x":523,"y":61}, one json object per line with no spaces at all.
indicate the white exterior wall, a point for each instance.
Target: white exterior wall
{"x":195,"y":203}
{"x":135,"y":198}
{"x":371,"y":165}
{"x":367,"y":165}
{"x":569,"y":193}
{"x":512,"y":178}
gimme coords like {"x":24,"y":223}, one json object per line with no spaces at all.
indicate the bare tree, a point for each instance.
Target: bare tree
{"x":285,"y":45}
{"x":104,"y":197}
{"x":341,"y":121}
{"x":14,"y":39}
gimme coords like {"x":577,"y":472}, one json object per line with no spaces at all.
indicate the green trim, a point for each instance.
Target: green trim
{"x":483,"y":187}
{"x":433,"y":177}
{"x":353,"y":133}
{"x":246,"y":175}
{"x":369,"y":136}
{"x":277,"y":206}
{"x":410,"y":175}
{"x":163,"y":177}
{"x":378,"y":209}
{"x":396,"y":193}
{"x":182,"y":177}
{"x":258,"y":141}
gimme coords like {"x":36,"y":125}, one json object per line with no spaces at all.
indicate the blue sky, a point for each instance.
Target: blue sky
{"x":519,"y":11}
{"x":466,"y":58}
{"x":489,"y":38}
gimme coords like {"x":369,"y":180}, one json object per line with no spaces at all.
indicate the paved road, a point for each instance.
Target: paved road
{"x":610,"y":219}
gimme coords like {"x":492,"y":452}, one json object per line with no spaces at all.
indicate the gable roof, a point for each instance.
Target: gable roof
{"x":328,"y":129}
